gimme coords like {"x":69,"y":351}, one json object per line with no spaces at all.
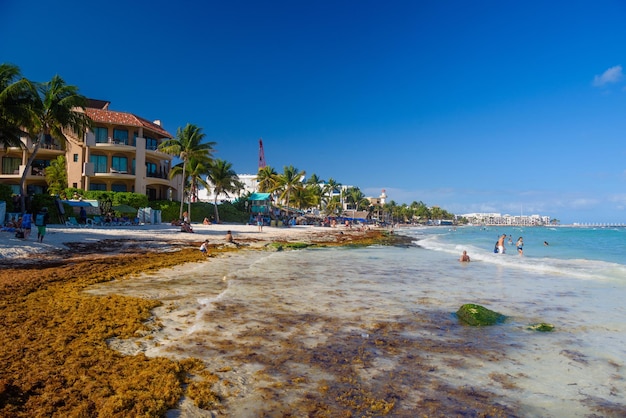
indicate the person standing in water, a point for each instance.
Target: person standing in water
{"x":464,"y":257}
{"x":520,"y":246}
{"x":500,"y":244}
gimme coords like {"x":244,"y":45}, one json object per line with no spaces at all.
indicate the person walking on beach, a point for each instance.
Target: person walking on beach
{"x":520,"y":246}
{"x":27,"y":222}
{"x":464,"y":257}
{"x":500,"y":244}
{"x":41,"y":221}
{"x":259,"y":222}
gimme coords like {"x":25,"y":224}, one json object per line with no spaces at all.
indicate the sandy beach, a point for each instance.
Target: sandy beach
{"x":61,"y":239}
{"x":57,"y":337}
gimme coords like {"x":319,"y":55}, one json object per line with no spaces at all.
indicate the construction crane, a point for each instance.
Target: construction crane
{"x":261,"y":154}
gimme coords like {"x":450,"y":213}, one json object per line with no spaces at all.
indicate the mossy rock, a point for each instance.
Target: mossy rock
{"x":541,"y":327}
{"x":280,"y":246}
{"x":476,"y":315}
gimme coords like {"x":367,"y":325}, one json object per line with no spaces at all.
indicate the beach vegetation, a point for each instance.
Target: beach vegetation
{"x":56,"y":358}
{"x":229,"y":212}
{"x":189,"y":144}
{"x":6,"y":194}
{"x":224,"y":180}
{"x":56,"y":175}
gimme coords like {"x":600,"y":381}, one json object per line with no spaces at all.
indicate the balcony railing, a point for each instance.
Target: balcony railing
{"x":114,"y":141}
{"x":162,"y":175}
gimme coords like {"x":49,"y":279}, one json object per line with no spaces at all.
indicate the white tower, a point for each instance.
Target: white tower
{"x":383,"y":196}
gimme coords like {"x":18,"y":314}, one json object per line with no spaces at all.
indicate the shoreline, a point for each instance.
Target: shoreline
{"x":62,"y":242}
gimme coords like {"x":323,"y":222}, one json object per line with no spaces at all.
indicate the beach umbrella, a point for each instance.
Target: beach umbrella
{"x":124,"y":209}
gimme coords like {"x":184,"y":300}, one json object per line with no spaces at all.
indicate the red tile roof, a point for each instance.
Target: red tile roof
{"x":125,"y":119}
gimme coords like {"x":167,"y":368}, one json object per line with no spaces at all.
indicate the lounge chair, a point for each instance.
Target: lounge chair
{"x":71,"y":221}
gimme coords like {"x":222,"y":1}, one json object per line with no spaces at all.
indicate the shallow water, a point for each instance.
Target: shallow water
{"x":373,"y":330}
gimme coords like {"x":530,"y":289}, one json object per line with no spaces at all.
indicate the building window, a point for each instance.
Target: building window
{"x":151,"y":170}
{"x":118,"y":188}
{"x":119,"y":164}
{"x":38,"y":168}
{"x":11,"y":165}
{"x":75,"y":185}
{"x":120,"y":136}
{"x":75,"y":158}
{"x":151,"y":143}
{"x":98,"y":186}
{"x":99,"y":164}
{"x":101,"y":134}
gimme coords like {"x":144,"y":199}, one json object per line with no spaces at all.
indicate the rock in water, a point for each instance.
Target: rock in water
{"x":541,"y":327}
{"x":476,"y":315}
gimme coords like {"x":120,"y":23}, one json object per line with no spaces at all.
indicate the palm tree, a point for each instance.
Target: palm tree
{"x":305,"y":197}
{"x":286,"y":182}
{"x":314,"y":179}
{"x":195,"y":170}
{"x":333,"y":205}
{"x":313,"y":184}
{"x":56,"y":176}
{"x":266,"y":177}
{"x":330,"y":188}
{"x":187,"y":145}
{"x":355,"y":196}
{"x":16,"y":98}
{"x":56,"y":108}
{"x":224,"y":180}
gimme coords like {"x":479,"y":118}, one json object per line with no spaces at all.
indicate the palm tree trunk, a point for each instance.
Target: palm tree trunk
{"x":217,"y":212}
{"x":182,"y":189}
{"x":29,"y":164}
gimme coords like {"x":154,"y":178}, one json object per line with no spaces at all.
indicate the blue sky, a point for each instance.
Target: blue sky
{"x":481,"y":106}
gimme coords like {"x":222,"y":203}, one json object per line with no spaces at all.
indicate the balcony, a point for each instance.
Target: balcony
{"x":115,"y":174}
{"x":160,"y":175}
{"x":115,"y":143}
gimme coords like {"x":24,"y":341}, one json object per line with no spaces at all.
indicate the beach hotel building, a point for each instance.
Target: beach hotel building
{"x":119,"y":153}
{"x":499,"y":219}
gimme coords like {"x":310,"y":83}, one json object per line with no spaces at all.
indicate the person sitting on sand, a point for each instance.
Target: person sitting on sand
{"x":464,"y":257}
{"x":204,"y":247}
{"x":185,"y":227}
{"x":229,"y":238}
{"x":205,"y":221}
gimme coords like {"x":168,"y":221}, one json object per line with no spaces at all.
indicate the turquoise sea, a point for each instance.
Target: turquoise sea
{"x":373,"y":331}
